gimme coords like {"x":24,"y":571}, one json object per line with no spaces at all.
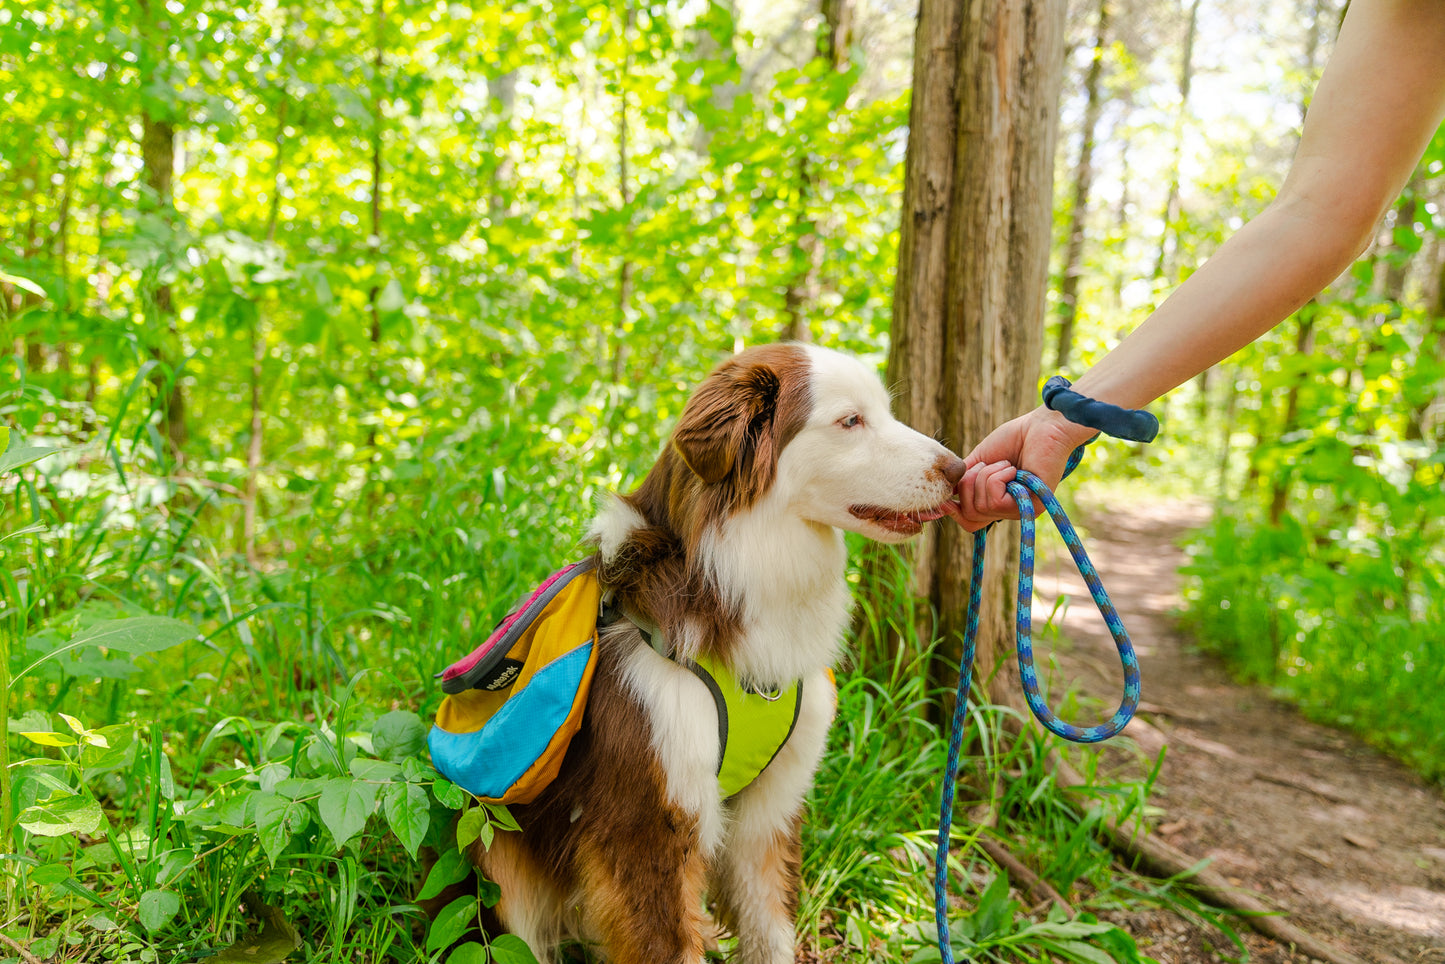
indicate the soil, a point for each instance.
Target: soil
{"x":1338,"y":836}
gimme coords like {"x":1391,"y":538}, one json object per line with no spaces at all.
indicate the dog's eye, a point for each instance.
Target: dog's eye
{"x":851,"y":421}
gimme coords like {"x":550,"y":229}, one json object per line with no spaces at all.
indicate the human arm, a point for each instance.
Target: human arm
{"x":1380,"y":100}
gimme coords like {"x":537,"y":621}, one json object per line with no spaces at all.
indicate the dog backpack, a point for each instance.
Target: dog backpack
{"x":514,"y":703}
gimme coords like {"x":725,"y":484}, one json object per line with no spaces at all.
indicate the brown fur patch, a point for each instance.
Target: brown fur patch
{"x":722,"y":457}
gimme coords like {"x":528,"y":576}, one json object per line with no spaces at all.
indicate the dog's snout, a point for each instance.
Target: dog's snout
{"x":952,"y":468}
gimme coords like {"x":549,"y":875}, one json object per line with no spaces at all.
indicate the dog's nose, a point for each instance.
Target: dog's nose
{"x":952,"y":468}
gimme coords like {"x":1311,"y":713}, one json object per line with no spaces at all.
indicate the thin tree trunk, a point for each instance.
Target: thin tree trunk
{"x":502,"y":91}
{"x":973,"y":272}
{"x":1172,"y":202}
{"x":255,"y":447}
{"x":1083,"y":183}
{"x":158,"y":157}
{"x":1304,"y":344}
{"x":624,"y":189}
{"x":801,"y":293}
{"x":373,"y":296}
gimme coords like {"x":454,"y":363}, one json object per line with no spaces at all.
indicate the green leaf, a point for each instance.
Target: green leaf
{"x":502,"y":817}
{"x":392,"y":298}
{"x":472,"y":953}
{"x":377,"y":771}
{"x":511,"y":949}
{"x":451,"y":867}
{"x":157,"y":908}
{"x":57,"y":817}
{"x":398,"y":735}
{"x":21,"y":456}
{"x":137,"y":634}
{"x":455,"y":920}
{"x":51,"y":739}
{"x":277,"y":820}
{"x":344,"y":807}
{"x":47,"y":875}
{"x":473,"y":826}
{"x":448,"y":794}
{"x":24,"y":284}
{"x":408,"y":812}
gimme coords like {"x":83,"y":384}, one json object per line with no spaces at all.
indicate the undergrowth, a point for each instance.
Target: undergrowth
{"x":213,"y":760}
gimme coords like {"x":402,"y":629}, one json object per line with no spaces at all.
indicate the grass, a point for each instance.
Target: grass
{"x":208,"y":758}
{"x":1347,"y":629}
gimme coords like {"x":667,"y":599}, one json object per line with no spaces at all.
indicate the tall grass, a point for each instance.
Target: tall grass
{"x":257,"y":781}
{"x":1348,"y":628}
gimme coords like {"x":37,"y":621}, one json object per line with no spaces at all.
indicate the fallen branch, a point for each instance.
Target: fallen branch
{"x":1161,"y":860}
{"x":1318,"y":789}
{"x":19,"y":948}
{"x":1019,"y":873}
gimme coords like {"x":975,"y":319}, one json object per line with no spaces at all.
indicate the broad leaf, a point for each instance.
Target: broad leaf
{"x":344,"y":807}
{"x":57,"y":817}
{"x":456,"y":919}
{"x":408,"y":812}
{"x":398,"y":736}
{"x":450,"y":867}
{"x":511,"y":949}
{"x":157,"y":909}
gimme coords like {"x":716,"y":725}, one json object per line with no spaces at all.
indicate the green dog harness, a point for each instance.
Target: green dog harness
{"x":752,"y":726}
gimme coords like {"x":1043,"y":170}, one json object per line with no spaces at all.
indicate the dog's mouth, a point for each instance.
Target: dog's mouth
{"x":905,"y":523}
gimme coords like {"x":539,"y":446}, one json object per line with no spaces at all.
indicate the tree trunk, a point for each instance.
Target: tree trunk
{"x":255,"y":447}
{"x":502,"y":92}
{"x":972,"y":274}
{"x":833,"y":42}
{"x":624,"y":190}
{"x":1171,"y":202}
{"x":158,"y":157}
{"x":1083,"y":182}
{"x":373,"y":296}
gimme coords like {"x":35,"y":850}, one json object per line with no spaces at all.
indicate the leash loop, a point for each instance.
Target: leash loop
{"x":1024,"y":486}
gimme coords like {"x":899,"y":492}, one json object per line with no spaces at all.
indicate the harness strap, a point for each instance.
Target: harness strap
{"x":753,"y":725}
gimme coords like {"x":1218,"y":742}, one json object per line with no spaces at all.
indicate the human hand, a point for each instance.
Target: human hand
{"x":1040,"y":441}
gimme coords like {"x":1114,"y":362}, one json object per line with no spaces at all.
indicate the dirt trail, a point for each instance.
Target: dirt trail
{"x":1347,"y":842}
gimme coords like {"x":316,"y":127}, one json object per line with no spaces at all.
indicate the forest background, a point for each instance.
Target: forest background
{"x":328,"y":324}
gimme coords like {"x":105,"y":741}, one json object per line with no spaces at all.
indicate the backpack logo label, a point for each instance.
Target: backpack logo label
{"x":501,"y":677}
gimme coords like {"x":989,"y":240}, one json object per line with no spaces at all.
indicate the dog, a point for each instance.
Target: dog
{"x":730,"y":553}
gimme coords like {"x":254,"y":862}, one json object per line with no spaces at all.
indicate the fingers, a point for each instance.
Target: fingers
{"x":983,"y":495}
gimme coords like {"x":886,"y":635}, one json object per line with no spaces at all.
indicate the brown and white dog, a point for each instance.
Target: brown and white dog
{"x":732,"y":547}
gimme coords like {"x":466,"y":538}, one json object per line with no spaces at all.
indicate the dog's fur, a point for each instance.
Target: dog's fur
{"x":732,"y":547}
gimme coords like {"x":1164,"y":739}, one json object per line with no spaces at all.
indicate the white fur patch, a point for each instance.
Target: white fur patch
{"x":684,"y":735}
{"x":616,"y":519}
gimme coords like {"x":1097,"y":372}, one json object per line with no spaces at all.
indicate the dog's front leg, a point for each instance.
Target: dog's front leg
{"x":642,"y":888}
{"x":756,"y":887}
{"x":755,"y":873}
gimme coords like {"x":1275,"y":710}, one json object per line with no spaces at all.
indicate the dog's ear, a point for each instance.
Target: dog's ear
{"x":729,"y":421}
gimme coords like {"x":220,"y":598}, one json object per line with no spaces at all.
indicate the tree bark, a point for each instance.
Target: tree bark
{"x":255,"y":447}
{"x":833,"y":43}
{"x":1083,"y":183}
{"x":1171,"y":201}
{"x":158,"y":158}
{"x":624,"y":190}
{"x":973,"y":270}
{"x":373,"y":295}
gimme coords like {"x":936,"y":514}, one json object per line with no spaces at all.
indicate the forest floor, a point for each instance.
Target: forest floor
{"x":1343,"y":840}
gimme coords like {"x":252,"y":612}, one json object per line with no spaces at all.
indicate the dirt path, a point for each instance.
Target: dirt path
{"x":1348,"y":843}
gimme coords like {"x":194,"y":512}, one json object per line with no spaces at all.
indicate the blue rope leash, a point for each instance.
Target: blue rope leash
{"x":1020,"y":488}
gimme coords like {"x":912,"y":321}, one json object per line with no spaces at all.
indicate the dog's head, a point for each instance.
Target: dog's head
{"x":810,"y":430}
